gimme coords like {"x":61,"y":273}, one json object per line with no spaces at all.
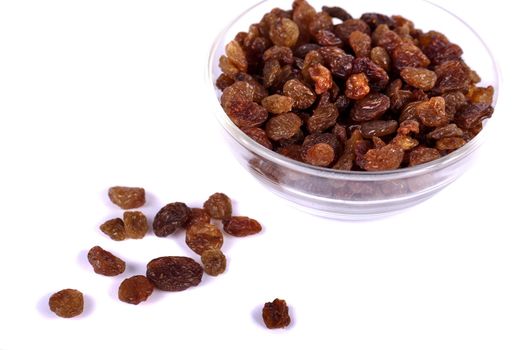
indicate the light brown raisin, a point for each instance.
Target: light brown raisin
{"x":408,"y":55}
{"x":240,"y":226}
{"x":67,"y":303}
{"x":214,"y":262}
{"x":380,"y":56}
{"x":219,"y":206}
{"x":450,"y":143}
{"x":432,"y":112}
{"x":170,"y":218}
{"x":203,"y":236}
{"x":135,"y":224}
{"x":275,"y":314}
{"x":283,"y":126}
{"x":302,"y":96}
{"x":277,"y":104}
{"x":322,"y":78}
{"x":360,"y":43}
{"x":105,"y":263}
{"x":198,"y":216}
{"x":284,"y":32}
{"x":388,"y":157}
{"x":421,"y":154}
{"x":127,"y":197}
{"x":357,"y":86}
{"x":135,"y":290}
{"x":236,"y":55}
{"x":114,"y":228}
{"x":174,"y":273}
{"x":323,"y":117}
{"x":282,"y":54}
{"x":420,"y":78}
{"x":449,"y":130}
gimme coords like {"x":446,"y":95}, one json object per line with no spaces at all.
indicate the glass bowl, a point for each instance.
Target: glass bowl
{"x":353,"y":194}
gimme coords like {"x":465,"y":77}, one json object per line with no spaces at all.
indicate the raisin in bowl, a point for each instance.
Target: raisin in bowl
{"x":367,"y":146}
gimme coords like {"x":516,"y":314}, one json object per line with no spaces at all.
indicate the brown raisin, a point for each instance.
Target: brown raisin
{"x":346,"y":160}
{"x":302,"y":50}
{"x":449,"y":143}
{"x":284,"y":32}
{"x":343,"y":30}
{"x":405,"y":142}
{"x":398,"y":98}
{"x":454,"y":101}
{"x":378,"y":128}
{"x":135,"y":224}
{"x":438,"y":48}
{"x":421,"y":154}
{"x":259,"y":136}
{"x":238,"y":91}
{"x":203,"y":236}
{"x":320,"y":149}
{"x":340,"y":132}
{"x":327,"y":38}
{"x":270,"y":72}
{"x":259,"y":92}
{"x":341,"y":66}
{"x":481,"y":94}
{"x":114,"y":228}
{"x":337,"y":12}
{"x":135,"y":290}
{"x":105,"y":263}
{"x":275,"y":314}
{"x":432,"y":112}
{"x":277,"y":104}
{"x":375,"y":19}
{"x":357,"y":86}
{"x":282,"y":54}
{"x":283,"y":126}
{"x":223,"y":81}
{"x":360,"y":43}
{"x":302,"y":96}
{"x":170,"y":218}
{"x":473,"y":114}
{"x":322,"y":78}
{"x":408,"y":55}
{"x":292,"y":151}
{"x":408,"y":126}
{"x":320,"y":21}
{"x":380,"y":56}
{"x":127,"y":197}
{"x":449,"y":130}
{"x":240,"y":226}
{"x":236,"y":55}
{"x":227,"y":67}
{"x":174,"y":273}
{"x":219,"y":206}
{"x":452,"y":75}
{"x":371,"y":107}
{"x":377,"y":76}
{"x":198,"y":216}
{"x":420,"y":78}
{"x":386,"y":38}
{"x":323,"y":117}
{"x":388,"y":157}
{"x":214,"y":262}
{"x":67,"y":303}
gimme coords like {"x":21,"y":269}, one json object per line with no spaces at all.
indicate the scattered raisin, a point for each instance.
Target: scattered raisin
{"x":135,"y":224}
{"x":198,"y":216}
{"x":203,"y":236}
{"x":219,"y":206}
{"x":67,"y":303}
{"x":275,"y":314}
{"x":170,"y":218}
{"x":105,"y":263}
{"x":135,"y":290}
{"x":174,"y":273}
{"x":240,"y":226}
{"x":114,"y":228}
{"x":127,"y":197}
{"x":214,"y":262}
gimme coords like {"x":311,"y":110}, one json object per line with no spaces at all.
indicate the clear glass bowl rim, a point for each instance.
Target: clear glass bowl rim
{"x":254,"y":147}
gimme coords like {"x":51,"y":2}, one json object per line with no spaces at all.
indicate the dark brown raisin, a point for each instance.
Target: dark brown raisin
{"x":241,"y":226}
{"x":420,"y":155}
{"x":473,"y":114}
{"x":341,"y":67}
{"x":337,"y":12}
{"x":327,"y":38}
{"x":67,"y":303}
{"x":135,"y":290}
{"x":454,"y":101}
{"x":277,"y":104}
{"x":302,"y":96}
{"x":127,"y":197}
{"x":449,"y":130}
{"x":377,"y":76}
{"x":105,"y":263}
{"x":346,"y":160}
{"x":283,"y":126}
{"x":219,"y":206}
{"x":375,"y":19}
{"x":321,"y":21}
{"x":203,"y":236}
{"x":198,"y":216}
{"x":398,"y":98}
{"x":284,"y":32}
{"x":340,"y":132}
{"x":322,"y":78}
{"x":302,"y":50}
{"x":357,"y":86}
{"x":259,"y":92}
{"x":214,"y":262}
{"x":223,"y":81}
{"x":386,"y":38}
{"x":360,"y":43}
{"x":343,"y":30}
{"x":135,"y":224}
{"x":270,"y":72}
{"x":420,"y":78}
{"x":388,"y":157}
{"x":452,"y":75}
{"x":378,"y":128}
{"x":438,"y":48}
{"x":259,"y":136}
{"x":170,"y":218}
{"x":371,"y":107}
{"x":275,"y":314}
{"x":174,"y":273}
{"x":292,"y":151}
{"x":114,"y":228}
{"x":323,"y":117}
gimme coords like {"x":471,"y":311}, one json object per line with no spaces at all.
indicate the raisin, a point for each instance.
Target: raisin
{"x":238,"y":91}
{"x":405,"y":142}
{"x":377,"y":76}
{"x":386,"y":38}
{"x":259,"y":92}
{"x":323,"y":117}
{"x":223,"y":81}
{"x":481,"y":94}
{"x":375,"y":19}
{"x":105,"y":263}
{"x":346,"y":161}
{"x":449,"y":143}
{"x":327,"y":38}
{"x":454,"y":101}
{"x":371,"y":107}
{"x":284,"y":32}
{"x":357,"y":86}
{"x":214,"y":262}
{"x":473,"y":114}
{"x":320,"y":149}
{"x":340,"y":132}
{"x":432,"y":112}
{"x":321,"y":21}
{"x":398,"y":98}
{"x":219,"y":206}
{"x":360,"y":43}
{"x":135,"y":290}
{"x":247,"y":114}
{"x":114,"y":228}
{"x":282,"y":54}
{"x":277,"y":104}
{"x":337,"y":12}
{"x":449,"y":130}
{"x":170,"y":218}
{"x":380,"y":56}
{"x":378,"y":143}
{"x":408,"y":126}
{"x":135,"y":224}
{"x":236,"y":55}
{"x":451,"y":75}
{"x":227,"y":67}
{"x":174,"y":273}
{"x":311,"y":59}
{"x":420,"y":155}
{"x":420,"y":78}
{"x":292,"y":151}
{"x":408,"y":55}
{"x":259,"y":136}
{"x":343,"y":30}
{"x":341,"y":67}
{"x":127,"y":197}
{"x":438,"y":48}
{"x":67,"y":303}
{"x":241,"y":226}
{"x":198,"y":216}
{"x":203,"y":236}
{"x":270,"y":72}
{"x":283,"y":126}
{"x":322,"y":78}
{"x":378,"y":128}
{"x":302,"y":96}
{"x":302,"y":50}
{"x":388,"y":157}
{"x":275,"y":314}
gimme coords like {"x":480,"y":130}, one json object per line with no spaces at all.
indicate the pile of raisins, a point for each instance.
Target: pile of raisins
{"x":330,"y":90}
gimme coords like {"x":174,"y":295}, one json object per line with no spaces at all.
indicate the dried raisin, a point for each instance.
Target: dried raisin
{"x":219,"y":206}
{"x":127,"y":197}
{"x":170,"y":218}
{"x":105,"y":263}
{"x":203,"y":236}
{"x":114,"y":228}
{"x":135,"y":224}
{"x":67,"y":303}
{"x":174,"y":273}
{"x":213,"y":261}
{"x":240,"y":226}
{"x":283,"y":126}
{"x":275,"y":314}
{"x":135,"y":290}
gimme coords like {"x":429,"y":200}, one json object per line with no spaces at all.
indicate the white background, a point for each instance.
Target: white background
{"x":105,"y":92}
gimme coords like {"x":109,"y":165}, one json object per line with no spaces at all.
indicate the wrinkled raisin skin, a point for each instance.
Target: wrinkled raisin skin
{"x":135,"y":290}
{"x":170,"y":218}
{"x":174,"y":273}
{"x":67,"y":303}
{"x":105,"y":263}
{"x":203,"y":236}
{"x":218,"y":206}
{"x":114,"y":228}
{"x":135,"y":224}
{"x":127,"y":197}
{"x":275,"y":314}
{"x":241,"y":226}
{"x":213,"y":261}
